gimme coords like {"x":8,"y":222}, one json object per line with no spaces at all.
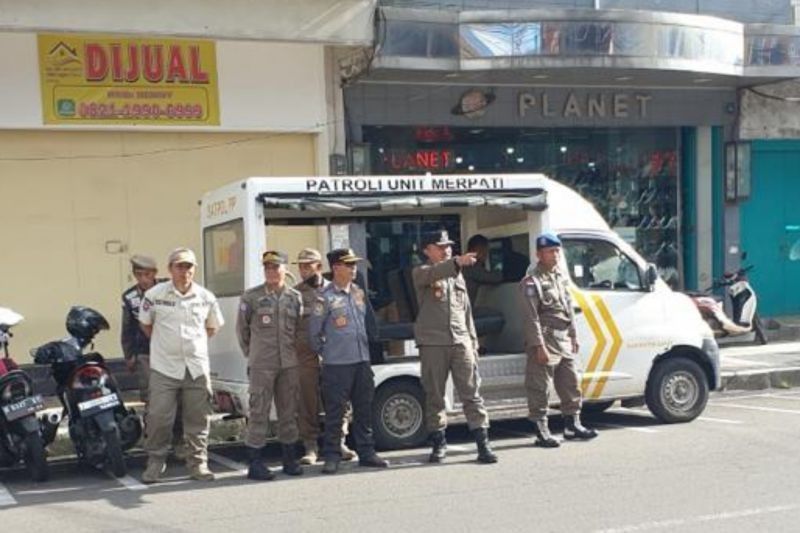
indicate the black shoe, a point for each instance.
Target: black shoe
{"x":290,"y":465}
{"x":373,"y":461}
{"x":439,"y":450}
{"x":543,"y":437}
{"x":485,"y":453}
{"x":574,"y":430}
{"x":257,"y":470}
{"x":331,"y":465}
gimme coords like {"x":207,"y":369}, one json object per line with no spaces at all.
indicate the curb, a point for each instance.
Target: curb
{"x":768,"y":378}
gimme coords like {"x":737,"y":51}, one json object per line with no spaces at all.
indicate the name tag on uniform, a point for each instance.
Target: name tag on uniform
{"x":338,"y":303}
{"x":340,"y":321}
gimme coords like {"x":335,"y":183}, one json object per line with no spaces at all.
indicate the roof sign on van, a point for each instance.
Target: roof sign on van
{"x":449,"y":183}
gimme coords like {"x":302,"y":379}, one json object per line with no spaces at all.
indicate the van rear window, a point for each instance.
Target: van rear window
{"x":223,"y":258}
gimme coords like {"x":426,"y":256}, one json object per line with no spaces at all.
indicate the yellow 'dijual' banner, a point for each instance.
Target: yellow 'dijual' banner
{"x":102,"y":79}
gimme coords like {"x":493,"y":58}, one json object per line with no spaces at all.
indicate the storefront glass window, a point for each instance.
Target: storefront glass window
{"x":630,"y":174}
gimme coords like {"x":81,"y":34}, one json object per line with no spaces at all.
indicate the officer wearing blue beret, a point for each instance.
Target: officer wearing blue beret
{"x":551,"y":344}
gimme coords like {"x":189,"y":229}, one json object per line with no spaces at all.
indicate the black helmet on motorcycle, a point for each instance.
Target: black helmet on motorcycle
{"x":84,"y":323}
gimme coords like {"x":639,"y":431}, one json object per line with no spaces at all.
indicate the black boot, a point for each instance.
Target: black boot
{"x":574,"y":430}
{"x":331,"y":465}
{"x":290,"y":465}
{"x":543,"y":437}
{"x":439,"y":451}
{"x":485,"y":453}
{"x":257,"y":470}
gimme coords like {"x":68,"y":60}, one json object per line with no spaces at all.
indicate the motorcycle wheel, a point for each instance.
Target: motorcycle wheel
{"x":758,"y":327}
{"x":114,"y":457}
{"x":35,"y":459}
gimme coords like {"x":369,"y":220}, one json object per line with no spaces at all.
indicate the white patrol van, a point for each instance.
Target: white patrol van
{"x":640,"y":341}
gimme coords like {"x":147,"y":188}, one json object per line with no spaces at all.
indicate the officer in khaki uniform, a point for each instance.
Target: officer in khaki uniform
{"x":266,"y":327}
{"x":445,"y":333}
{"x":551,"y":344}
{"x":309,"y":263}
{"x":136,"y":345}
{"x":179,"y":316}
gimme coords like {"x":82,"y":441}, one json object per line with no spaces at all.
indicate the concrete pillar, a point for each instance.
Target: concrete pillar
{"x":705,"y":209}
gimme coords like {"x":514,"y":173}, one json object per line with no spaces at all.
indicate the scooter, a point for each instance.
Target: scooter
{"x":100,"y":426}
{"x":20,"y":432}
{"x":744,"y":302}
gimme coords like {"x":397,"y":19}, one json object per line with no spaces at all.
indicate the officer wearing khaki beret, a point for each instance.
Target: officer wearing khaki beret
{"x":179,"y":316}
{"x":266,"y":327}
{"x":551,"y":343}
{"x":136,"y":345}
{"x":338,"y":332}
{"x":445,"y":333}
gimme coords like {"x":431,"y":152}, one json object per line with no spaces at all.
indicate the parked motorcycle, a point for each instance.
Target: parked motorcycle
{"x":20,"y":431}
{"x":745,"y":319}
{"x":100,"y":425}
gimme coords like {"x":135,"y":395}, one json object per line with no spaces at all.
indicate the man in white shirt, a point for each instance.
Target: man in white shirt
{"x":179,"y":316}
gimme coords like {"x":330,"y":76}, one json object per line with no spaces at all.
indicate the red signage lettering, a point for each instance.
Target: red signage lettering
{"x":410,"y":160}
{"x":177,"y":64}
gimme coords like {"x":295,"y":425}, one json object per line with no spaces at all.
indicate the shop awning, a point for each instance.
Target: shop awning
{"x":534,"y":201}
{"x":581,"y":46}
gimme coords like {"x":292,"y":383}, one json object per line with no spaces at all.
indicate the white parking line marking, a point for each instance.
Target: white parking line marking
{"x":663,"y":524}
{"x":790,"y":397}
{"x":765,"y":409}
{"x":131,"y":483}
{"x":718,"y":420}
{"x":738,"y":397}
{"x":629,"y":428}
{"x":6,"y":498}
{"x":227,"y":463}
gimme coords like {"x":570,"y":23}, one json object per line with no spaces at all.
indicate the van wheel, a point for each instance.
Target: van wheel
{"x":597,"y":407}
{"x":677,"y":390}
{"x":399,"y":415}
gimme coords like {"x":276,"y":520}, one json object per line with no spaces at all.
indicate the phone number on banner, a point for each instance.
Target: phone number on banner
{"x":141,"y":111}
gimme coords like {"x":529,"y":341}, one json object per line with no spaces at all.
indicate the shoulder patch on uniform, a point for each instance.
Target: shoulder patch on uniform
{"x":242,"y":307}
{"x":319,"y":309}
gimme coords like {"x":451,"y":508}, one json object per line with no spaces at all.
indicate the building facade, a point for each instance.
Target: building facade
{"x":638,"y":105}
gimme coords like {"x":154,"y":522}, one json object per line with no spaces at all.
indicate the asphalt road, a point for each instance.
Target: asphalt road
{"x":734,"y":469}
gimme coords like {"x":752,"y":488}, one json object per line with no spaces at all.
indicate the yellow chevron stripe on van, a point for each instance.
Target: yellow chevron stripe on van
{"x":600,"y":339}
{"x":616,"y":344}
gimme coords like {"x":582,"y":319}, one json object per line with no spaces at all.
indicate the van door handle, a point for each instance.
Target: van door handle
{"x":577,"y":310}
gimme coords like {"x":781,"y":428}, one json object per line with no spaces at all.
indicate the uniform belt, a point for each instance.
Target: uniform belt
{"x":555,"y":326}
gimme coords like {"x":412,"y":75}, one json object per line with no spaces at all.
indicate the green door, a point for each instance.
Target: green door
{"x":770,"y":226}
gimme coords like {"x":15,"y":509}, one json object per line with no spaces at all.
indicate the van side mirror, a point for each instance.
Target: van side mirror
{"x":650,"y":276}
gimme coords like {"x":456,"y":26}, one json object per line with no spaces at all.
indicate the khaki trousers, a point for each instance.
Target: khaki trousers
{"x":563,"y":375}
{"x":164,"y":397}
{"x":143,"y":379}
{"x":310,"y":402}
{"x":283,"y":386}
{"x":437,"y":363}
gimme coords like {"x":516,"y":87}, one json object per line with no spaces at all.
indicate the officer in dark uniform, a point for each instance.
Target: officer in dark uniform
{"x":337,"y":331}
{"x":551,"y":343}
{"x":135,"y":344}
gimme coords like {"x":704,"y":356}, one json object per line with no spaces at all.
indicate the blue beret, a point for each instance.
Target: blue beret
{"x":547,"y":240}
